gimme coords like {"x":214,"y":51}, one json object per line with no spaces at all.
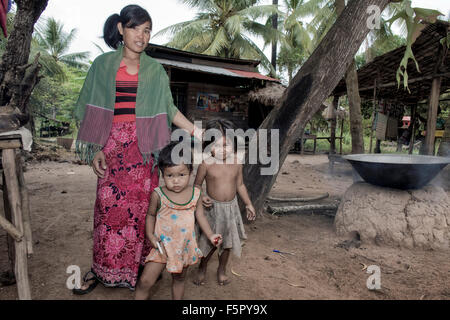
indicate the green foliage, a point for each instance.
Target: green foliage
{"x":295,"y":42}
{"x":52,"y":40}
{"x":62,"y":73}
{"x":413,"y":18}
{"x":222,"y":28}
{"x":53,"y":98}
{"x":380,"y":47}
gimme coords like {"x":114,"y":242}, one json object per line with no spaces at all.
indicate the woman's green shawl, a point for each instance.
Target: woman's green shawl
{"x":95,"y":106}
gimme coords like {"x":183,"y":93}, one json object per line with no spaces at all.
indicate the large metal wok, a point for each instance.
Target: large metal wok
{"x":397,"y":170}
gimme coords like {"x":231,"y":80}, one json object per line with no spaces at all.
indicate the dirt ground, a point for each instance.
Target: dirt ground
{"x":322,"y":267}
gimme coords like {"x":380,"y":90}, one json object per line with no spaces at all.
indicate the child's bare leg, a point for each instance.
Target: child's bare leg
{"x":178,"y":284}
{"x":221,"y":270}
{"x":151,"y":272}
{"x":201,"y":273}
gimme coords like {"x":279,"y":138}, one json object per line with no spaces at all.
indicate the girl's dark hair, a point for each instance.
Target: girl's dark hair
{"x":220,"y":124}
{"x":165,"y":157}
{"x":130,"y":17}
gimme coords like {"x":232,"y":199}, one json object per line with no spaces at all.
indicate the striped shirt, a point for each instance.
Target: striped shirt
{"x":126,"y":89}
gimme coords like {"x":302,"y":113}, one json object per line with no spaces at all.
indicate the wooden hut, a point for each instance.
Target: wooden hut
{"x":206,"y":86}
{"x":377,"y":82}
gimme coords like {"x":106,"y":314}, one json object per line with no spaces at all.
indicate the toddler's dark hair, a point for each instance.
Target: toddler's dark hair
{"x":130,"y":17}
{"x":165,"y":157}
{"x":222,"y":125}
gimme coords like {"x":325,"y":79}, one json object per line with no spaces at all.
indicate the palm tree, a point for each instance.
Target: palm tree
{"x":55,"y":42}
{"x":222,"y":28}
{"x":295,"y":43}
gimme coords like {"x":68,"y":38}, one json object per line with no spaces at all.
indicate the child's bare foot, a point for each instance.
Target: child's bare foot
{"x":200,"y":278}
{"x":222,"y":279}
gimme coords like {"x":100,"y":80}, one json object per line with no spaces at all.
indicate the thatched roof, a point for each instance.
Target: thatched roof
{"x":384,"y":69}
{"x":270,"y":95}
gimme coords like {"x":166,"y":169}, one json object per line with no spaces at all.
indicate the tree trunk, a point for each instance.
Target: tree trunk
{"x":333,"y":123}
{"x":444,"y":147}
{"x":17,"y":77}
{"x":274,"y":43}
{"x":310,"y":87}
{"x":354,"y":100}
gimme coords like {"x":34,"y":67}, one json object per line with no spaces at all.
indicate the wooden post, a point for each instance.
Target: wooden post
{"x":413,"y":129}
{"x":9,"y":227}
{"x":333,"y":125}
{"x":25,"y":206}
{"x":342,"y":135}
{"x":432,"y":116}
{"x":373,"y":113}
{"x":9,"y":239}
{"x":20,"y":268}
{"x":315,"y":144}
{"x":377,"y":147}
{"x":303,"y":142}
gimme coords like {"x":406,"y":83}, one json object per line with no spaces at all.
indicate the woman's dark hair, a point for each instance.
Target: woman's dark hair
{"x":165,"y":157}
{"x":220,"y":124}
{"x":130,"y":17}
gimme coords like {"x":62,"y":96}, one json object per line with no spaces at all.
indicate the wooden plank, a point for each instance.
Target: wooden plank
{"x":25,"y":206}
{"x":21,"y":263}
{"x":9,"y":227}
{"x":10,"y":136}
{"x":10,"y":144}
{"x":432,"y":116}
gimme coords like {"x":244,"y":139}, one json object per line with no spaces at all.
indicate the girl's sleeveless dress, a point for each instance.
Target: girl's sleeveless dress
{"x":175,"y":227}
{"x":120,"y":245}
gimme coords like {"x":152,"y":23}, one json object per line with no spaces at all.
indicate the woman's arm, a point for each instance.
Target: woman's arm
{"x":182,"y":122}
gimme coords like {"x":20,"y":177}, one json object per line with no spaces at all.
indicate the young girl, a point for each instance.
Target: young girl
{"x":126,"y":111}
{"x":170,"y":227}
{"x":223,"y":180}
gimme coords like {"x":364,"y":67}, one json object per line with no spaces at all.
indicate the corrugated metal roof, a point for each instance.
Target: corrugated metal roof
{"x":214,"y":70}
{"x":249,"y":74}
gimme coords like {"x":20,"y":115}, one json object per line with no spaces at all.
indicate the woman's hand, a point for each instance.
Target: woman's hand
{"x":251,"y":212}
{"x":216,"y":239}
{"x":198,"y":134}
{"x":99,"y":164}
{"x":207,"y":202}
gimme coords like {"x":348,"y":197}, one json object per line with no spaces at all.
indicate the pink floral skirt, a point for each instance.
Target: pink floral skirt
{"x":120,"y":244}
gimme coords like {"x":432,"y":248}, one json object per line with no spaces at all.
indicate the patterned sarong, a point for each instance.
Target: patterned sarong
{"x":120,"y":244}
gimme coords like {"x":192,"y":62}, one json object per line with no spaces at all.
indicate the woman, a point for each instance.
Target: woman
{"x":126,"y":109}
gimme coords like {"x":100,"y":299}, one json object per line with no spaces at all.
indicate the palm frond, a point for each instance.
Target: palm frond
{"x":219,"y":43}
{"x":98,"y":47}
{"x":173,"y":29}
{"x":262,"y":11}
{"x":264,"y":60}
